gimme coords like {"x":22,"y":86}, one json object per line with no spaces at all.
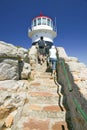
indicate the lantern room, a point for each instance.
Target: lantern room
{"x":42,"y":26}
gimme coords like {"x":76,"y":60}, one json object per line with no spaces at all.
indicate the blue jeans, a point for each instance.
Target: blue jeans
{"x":53,"y":61}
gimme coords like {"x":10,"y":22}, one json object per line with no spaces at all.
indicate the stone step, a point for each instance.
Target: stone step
{"x":34,"y":124}
{"x":42,"y":85}
{"x":44,"y":111}
{"x":43,"y":98}
{"x":41,"y":116}
{"x":45,"y":88}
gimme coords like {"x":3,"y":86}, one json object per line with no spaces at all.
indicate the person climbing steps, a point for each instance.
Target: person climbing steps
{"x":53,"y":59}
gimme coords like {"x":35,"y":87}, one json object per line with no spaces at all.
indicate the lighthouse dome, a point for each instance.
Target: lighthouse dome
{"x":41,"y":16}
{"x":43,"y":22}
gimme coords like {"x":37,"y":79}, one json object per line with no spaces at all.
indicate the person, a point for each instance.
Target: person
{"x":53,"y":58}
{"x":41,"y":49}
{"x":47,"y":47}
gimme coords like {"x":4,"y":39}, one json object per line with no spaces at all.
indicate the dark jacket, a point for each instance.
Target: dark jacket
{"x":41,"y":43}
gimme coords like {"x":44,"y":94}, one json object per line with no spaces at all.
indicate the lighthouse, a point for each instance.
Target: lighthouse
{"x":42,"y":26}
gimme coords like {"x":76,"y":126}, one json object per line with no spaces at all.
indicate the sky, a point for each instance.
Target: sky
{"x":71,"y":22}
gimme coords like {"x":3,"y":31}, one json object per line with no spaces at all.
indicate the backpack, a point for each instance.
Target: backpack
{"x":41,"y":43}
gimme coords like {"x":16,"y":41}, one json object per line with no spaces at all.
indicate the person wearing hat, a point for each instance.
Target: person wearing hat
{"x":53,"y":58}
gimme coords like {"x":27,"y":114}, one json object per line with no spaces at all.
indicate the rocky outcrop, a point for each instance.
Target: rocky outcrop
{"x":9,"y":69}
{"x":9,"y":50}
{"x":33,"y":56}
{"x":25,"y":74}
{"x":13,"y":95}
{"x":14,"y":65}
{"x":23,"y":53}
{"x":14,"y":62}
{"x":62,"y":52}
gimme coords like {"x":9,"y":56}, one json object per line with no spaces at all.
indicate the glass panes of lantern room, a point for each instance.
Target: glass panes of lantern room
{"x":42,"y":21}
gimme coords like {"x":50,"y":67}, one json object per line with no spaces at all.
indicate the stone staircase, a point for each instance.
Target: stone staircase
{"x":42,"y":112}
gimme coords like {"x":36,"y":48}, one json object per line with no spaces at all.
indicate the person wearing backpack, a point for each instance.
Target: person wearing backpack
{"x":41,"y":49}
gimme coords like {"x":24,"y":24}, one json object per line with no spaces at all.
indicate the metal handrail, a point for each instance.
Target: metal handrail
{"x":80,"y":109}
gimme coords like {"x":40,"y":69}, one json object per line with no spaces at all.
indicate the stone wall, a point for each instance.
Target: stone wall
{"x":72,"y":75}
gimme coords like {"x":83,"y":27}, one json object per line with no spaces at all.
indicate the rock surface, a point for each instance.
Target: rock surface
{"x":9,"y":69}
{"x":9,"y":50}
{"x":14,"y":62}
{"x":35,"y":101}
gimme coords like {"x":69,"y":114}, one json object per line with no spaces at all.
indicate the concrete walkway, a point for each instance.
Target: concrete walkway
{"x":42,"y":112}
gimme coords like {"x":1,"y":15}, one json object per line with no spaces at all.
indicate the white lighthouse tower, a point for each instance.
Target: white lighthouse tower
{"x":42,"y":26}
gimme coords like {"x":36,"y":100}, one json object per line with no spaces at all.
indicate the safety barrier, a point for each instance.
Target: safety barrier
{"x":66,"y":75}
{"x":80,"y":109}
{"x":77,"y":104}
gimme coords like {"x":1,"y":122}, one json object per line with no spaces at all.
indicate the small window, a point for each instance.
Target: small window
{"x":39,"y":21}
{"x":43,"y":21}
{"x":48,"y":22}
{"x":35,"y":22}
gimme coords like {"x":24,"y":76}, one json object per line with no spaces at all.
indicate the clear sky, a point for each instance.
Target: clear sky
{"x":71,"y":20}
